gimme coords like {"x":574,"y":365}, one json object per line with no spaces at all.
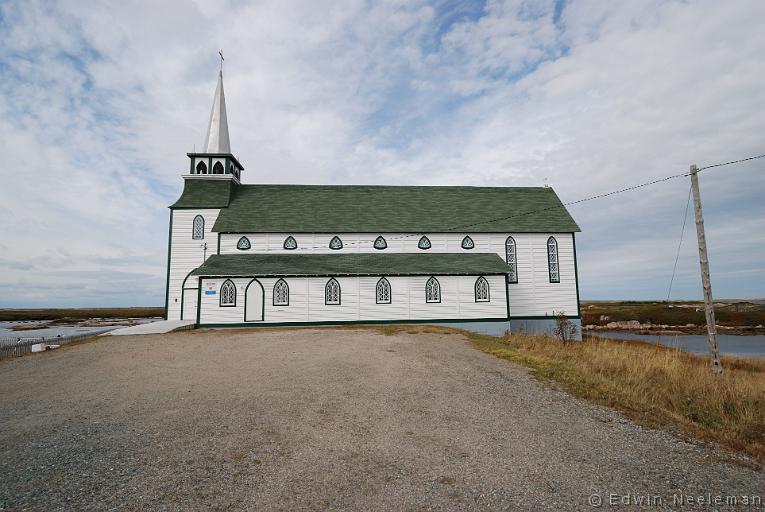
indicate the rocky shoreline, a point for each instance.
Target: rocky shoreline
{"x":635,"y":327}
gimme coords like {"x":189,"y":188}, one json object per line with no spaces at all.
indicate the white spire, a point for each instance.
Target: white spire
{"x":217,"y":131}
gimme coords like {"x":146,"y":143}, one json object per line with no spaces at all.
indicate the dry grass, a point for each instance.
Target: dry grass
{"x":653,"y":385}
{"x":671,"y":313}
{"x":77,"y":314}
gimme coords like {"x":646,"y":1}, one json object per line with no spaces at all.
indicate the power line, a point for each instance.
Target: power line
{"x":730,"y":163}
{"x":682,"y":232}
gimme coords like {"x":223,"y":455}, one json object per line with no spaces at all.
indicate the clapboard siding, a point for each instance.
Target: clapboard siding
{"x":187,"y":254}
{"x":533,"y":294}
{"x":358,"y":300}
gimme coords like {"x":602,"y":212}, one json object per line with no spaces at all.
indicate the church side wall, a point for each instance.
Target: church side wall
{"x":532,"y":296}
{"x":358,"y":300}
{"x":186,"y":254}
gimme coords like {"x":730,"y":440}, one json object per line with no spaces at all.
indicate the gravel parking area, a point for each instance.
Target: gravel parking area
{"x":323,"y":419}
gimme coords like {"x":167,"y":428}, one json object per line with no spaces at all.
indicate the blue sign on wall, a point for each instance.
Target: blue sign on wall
{"x":209,"y":292}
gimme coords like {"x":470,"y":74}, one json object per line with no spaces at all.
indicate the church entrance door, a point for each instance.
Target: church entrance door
{"x":253,"y":302}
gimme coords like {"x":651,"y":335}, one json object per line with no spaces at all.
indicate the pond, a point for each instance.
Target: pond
{"x":745,"y":346}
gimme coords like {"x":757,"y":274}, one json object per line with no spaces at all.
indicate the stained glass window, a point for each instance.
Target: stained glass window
{"x":335,"y":243}
{"x":383,"y":291}
{"x":552,"y":260}
{"x":510,"y":258}
{"x":198,"y":228}
{"x":243,"y":244}
{"x":380,"y":243}
{"x":432,"y":290}
{"x":332,"y":292}
{"x":281,"y":293}
{"x":481,"y":290}
{"x":290,"y":243}
{"x":228,"y":293}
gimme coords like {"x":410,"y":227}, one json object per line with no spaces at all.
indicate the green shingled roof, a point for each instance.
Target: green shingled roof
{"x":350,"y":264}
{"x":205,"y":193}
{"x":385,"y":209}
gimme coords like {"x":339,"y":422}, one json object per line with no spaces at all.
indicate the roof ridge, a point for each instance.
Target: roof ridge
{"x":318,"y":185}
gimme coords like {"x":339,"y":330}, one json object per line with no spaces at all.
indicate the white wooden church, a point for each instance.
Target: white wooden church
{"x":488,"y":259}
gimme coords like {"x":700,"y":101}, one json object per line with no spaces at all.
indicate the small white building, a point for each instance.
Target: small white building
{"x":485,"y":258}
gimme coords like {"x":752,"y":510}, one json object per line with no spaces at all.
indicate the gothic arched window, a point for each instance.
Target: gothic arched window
{"x":467,"y":243}
{"x":201,"y":168}
{"x":383,"y":291}
{"x":198,"y":228}
{"x":380,"y":243}
{"x":481,"y":290}
{"x":552,"y":260}
{"x":228,"y":294}
{"x":510,"y":259}
{"x":290,"y":243}
{"x":335,"y":243}
{"x":424,"y":243}
{"x":217,"y":168}
{"x":332,"y":293}
{"x":243,"y":244}
{"x":432,"y":290}
{"x":281,"y":293}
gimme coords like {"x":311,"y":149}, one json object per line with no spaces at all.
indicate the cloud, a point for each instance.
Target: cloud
{"x":99,"y":104}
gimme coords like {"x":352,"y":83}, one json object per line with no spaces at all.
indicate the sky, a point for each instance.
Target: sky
{"x":100,"y":102}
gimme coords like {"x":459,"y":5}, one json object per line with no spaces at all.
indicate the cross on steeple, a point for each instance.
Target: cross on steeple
{"x":215,"y":157}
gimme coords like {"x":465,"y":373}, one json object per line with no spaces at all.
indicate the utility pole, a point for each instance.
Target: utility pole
{"x":705,"y":281}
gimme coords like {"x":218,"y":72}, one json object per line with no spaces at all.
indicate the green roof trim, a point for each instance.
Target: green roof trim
{"x":355,"y":264}
{"x":205,"y":193}
{"x":391,"y":209}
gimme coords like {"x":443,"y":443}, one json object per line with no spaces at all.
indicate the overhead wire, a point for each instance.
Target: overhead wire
{"x":556,"y":206}
{"x":679,"y":245}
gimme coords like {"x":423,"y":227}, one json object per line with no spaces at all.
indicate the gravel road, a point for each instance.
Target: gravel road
{"x":323,"y":419}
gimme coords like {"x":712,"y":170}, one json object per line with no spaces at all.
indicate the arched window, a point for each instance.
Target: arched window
{"x":243,"y":244}
{"x":290,"y":243}
{"x":424,"y":243}
{"x":510,"y":259}
{"x":332,"y":293}
{"x":198,"y":228}
{"x":380,"y":243}
{"x":383,"y":291}
{"x":281,"y":293}
{"x":335,"y":243}
{"x":432,"y":290}
{"x":228,"y":294}
{"x":217,"y":168}
{"x":467,"y":243}
{"x":552,"y":260}
{"x":481,"y":290}
{"x":201,"y":168}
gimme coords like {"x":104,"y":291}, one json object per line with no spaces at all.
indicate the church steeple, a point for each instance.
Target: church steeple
{"x":217,"y":129}
{"x":216,"y":160}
